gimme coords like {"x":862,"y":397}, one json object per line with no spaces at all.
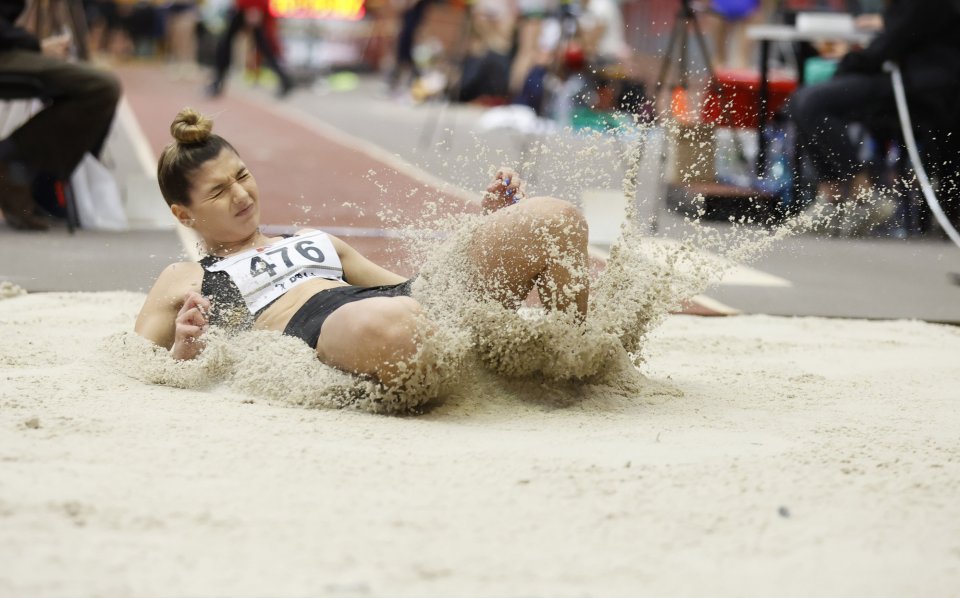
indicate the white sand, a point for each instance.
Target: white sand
{"x":769,"y":456}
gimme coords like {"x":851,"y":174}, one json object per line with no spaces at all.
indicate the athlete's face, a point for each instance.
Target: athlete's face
{"x":224,"y":200}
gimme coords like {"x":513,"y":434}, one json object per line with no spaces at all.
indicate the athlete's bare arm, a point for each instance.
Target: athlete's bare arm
{"x":359,"y":271}
{"x":162,"y":319}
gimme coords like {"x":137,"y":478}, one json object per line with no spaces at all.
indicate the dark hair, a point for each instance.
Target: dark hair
{"x":194,"y":144}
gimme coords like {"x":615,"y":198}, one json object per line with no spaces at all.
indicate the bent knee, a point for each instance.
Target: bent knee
{"x":96,"y":86}
{"x":560,"y":216}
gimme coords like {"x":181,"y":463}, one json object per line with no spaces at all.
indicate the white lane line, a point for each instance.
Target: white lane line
{"x":189,"y":239}
{"x":735,"y":274}
{"x":714,"y":305}
{"x":353,"y":231}
{"x":702,"y":300}
{"x":141,"y":147}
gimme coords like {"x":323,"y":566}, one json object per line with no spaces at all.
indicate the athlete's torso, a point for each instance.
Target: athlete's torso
{"x":263,"y":287}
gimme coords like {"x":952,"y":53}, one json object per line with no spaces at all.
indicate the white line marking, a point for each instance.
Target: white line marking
{"x":188,"y":237}
{"x":735,"y":274}
{"x":352,"y":231}
{"x":702,"y":300}
{"x":375,"y":152}
{"x":141,"y":146}
{"x":714,"y":305}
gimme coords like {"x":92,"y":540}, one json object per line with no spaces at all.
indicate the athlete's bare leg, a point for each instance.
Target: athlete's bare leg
{"x":539,"y":242}
{"x":371,"y":337}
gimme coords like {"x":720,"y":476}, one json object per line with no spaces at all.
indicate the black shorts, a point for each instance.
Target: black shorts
{"x":306,"y":323}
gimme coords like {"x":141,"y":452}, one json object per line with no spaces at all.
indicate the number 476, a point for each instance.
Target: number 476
{"x":259,"y":266}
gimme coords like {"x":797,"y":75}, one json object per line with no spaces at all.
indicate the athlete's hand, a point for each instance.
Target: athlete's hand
{"x":505,"y":190}
{"x":190,"y":325}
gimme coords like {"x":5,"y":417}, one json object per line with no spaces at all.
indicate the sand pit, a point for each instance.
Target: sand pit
{"x":762,"y":456}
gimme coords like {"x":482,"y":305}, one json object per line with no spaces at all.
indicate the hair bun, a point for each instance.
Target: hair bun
{"x":191,"y":127}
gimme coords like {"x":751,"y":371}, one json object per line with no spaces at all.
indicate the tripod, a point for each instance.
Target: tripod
{"x":679,"y":36}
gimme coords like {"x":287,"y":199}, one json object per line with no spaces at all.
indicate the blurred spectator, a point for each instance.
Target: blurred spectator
{"x":731,"y":47}
{"x":485,"y":70}
{"x":253,"y":16}
{"x":921,"y":36}
{"x":531,"y":44}
{"x":181,"y":35}
{"x":106,"y":26}
{"x":602,"y":33}
{"x":410,"y":22}
{"x":80,"y":104}
{"x":143,"y":23}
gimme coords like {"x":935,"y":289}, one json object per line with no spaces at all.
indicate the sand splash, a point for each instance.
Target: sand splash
{"x":471,"y":339}
{"x":8,"y":290}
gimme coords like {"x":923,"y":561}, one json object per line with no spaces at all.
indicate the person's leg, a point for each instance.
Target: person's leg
{"x":225,"y":51}
{"x":823,"y":114}
{"x":270,"y":57}
{"x":404,"y":49}
{"x":83,"y":100}
{"x":372,"y":337}
{"x":181,"y":35}
{"x":540,"y":243}
{"x":528,"y":48}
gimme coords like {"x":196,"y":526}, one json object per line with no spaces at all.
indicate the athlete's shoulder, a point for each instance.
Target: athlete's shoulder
{"x":180,"y":273}
{"x":173,"y":283}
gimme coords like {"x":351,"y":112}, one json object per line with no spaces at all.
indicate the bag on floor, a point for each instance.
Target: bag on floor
{"x":95,"y":191}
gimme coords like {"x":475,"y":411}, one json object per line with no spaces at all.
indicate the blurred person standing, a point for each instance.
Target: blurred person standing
{"x":410,"y":21}
{"x":530,"y":45}
{"x":105,"y":25}
{"x":251,"y":16}
{"x":80,"y":102}
{"x":143,"y":23}
{"x":603,"y":33}
{"x":485,"y":71}
{"x":181,"y":36}
{"x":731,"y":18}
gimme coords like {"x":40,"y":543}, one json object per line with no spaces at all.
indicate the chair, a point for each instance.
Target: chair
{"x":891,"y":166}
{"x":24,"y":87}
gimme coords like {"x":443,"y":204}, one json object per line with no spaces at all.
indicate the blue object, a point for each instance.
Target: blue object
{"x":510,"y":192}
{"x":734,"y":9}
{"x":778,"y":177}
{"x":817,"y":70}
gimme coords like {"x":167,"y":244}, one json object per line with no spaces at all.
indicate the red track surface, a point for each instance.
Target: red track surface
{"x":305,"y":178}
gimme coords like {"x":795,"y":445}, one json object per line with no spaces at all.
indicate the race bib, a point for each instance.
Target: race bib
{"x":265,"y":273}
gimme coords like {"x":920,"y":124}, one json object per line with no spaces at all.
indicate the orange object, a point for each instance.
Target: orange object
{"x":680,"y":106}
{"x":733,"y":97}
{"x":61,"y":194}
